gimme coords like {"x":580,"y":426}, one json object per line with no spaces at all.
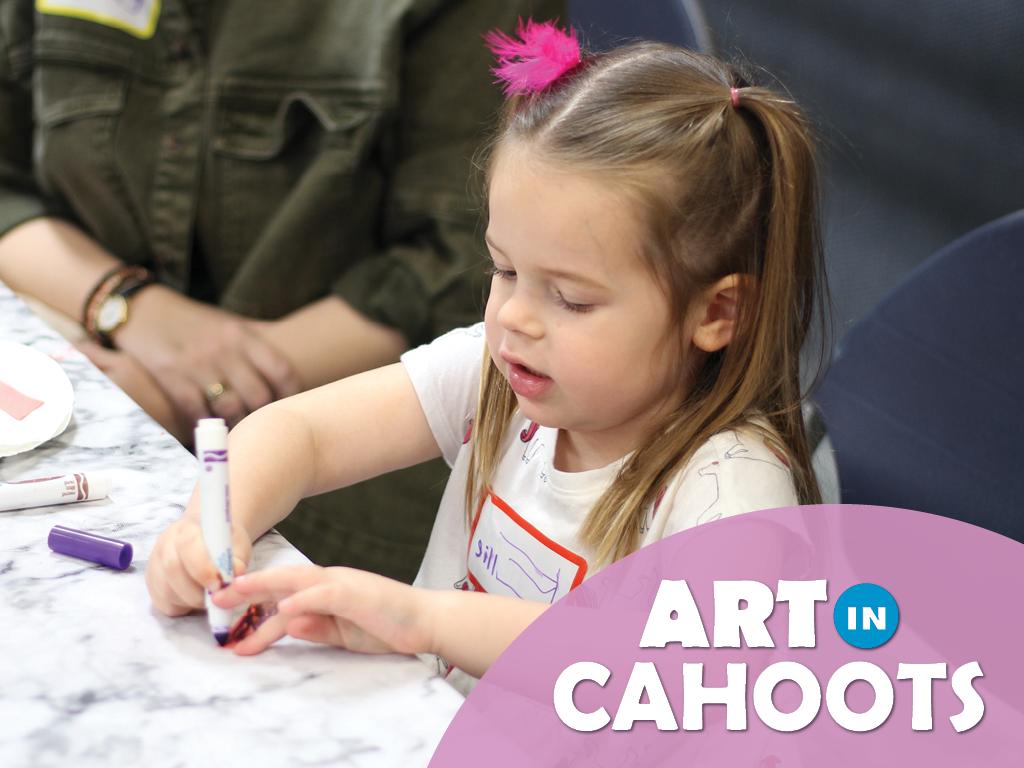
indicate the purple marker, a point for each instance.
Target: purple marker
{"x":214,"y":514}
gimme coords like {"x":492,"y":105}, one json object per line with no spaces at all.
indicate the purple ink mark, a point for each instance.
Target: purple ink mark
{"x":552,"y":592}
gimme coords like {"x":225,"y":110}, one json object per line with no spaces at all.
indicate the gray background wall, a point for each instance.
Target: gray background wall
{"x":921,"y":107}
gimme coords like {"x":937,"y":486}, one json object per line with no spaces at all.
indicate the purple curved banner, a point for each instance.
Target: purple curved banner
{"x":835,"y":635}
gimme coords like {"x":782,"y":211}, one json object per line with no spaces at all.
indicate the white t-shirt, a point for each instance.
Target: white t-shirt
{"x":523,"y":539}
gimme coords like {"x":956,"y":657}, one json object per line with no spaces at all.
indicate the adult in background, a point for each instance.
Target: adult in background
{"x":239,"y":200}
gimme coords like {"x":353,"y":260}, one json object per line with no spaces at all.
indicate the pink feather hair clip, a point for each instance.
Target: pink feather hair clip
{"x":542,"y":54}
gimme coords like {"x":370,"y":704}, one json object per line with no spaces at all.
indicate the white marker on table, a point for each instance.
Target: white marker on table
{"x":215,"y":515}
{"x":44,"y":491}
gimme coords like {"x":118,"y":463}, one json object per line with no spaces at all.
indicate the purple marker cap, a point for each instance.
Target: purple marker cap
{"x":89,"y":546}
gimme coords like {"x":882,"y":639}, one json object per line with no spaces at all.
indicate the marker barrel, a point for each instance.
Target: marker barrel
{"x":45,"y":491}
{"x":215,"y":514}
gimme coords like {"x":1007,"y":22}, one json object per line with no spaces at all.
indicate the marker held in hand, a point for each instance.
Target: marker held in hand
{"x":215,"y":514}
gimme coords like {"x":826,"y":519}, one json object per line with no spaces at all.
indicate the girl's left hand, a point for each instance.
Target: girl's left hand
{"x":345,"y":607}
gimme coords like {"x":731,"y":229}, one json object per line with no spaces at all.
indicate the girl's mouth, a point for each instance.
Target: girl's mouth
{"x":526,"y":382}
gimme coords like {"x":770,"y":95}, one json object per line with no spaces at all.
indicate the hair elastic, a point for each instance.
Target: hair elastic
{"x":735,"y":97}
{"x":542,"y":54}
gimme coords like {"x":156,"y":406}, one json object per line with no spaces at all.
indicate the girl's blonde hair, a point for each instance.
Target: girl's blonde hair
{"x":722,"y":190}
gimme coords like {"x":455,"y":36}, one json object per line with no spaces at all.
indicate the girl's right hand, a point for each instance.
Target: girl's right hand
{"x":180,"y":570}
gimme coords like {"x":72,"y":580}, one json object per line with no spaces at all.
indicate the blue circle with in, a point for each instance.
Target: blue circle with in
{"x":866,"y":615}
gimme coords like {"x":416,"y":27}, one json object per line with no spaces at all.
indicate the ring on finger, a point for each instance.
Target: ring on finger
{"x":215,"y":391}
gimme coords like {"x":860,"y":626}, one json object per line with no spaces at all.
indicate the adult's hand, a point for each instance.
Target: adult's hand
{"x":188,"y":346}
{"x":329,"y":340}
{"x":125,"y":371}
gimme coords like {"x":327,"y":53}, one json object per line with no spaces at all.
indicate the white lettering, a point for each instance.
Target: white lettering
{"x":730,"y":618}
{"x":733,"y":695}
{"x":870,"y":618}
{"x":835,"y":696}
{"x":644,"y":678}
{"x":566,"y":684}
{"x":801,"y":596}
{"x":922,"y":675}
{"x":687,"y":628}
{"x":810,"y":693}
{"x":974,"y":707}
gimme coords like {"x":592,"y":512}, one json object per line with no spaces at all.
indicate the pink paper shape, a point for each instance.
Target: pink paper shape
{"x":16,"y":404}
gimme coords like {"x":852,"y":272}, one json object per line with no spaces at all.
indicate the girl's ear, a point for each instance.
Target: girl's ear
{"x":715,"y":311}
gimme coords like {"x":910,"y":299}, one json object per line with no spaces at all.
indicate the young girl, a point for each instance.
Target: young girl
{"x":652,"y":229}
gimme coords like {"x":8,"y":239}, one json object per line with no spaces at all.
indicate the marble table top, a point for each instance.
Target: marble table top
{"x":92,"y":675}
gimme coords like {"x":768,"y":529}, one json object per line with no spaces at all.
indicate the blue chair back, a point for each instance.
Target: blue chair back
{"x":925,"y":402}
{"x":606,"y":24}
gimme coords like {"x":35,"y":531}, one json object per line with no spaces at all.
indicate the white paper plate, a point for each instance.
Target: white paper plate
{"x":34,"y":374}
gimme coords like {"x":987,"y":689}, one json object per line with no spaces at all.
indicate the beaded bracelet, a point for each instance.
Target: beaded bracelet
{"x":123,"y":280}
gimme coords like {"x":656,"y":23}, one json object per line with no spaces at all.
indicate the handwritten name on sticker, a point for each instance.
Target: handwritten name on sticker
{"x":509,"y":556}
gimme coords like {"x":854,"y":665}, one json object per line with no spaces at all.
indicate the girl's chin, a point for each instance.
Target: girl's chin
{"x":536,"y":413}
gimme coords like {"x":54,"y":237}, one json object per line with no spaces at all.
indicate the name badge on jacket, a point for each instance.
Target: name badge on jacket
{"x":136,"y":17}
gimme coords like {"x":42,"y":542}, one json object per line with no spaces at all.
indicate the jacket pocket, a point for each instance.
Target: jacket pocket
{"x":257,"y":129}
{"x":70,"y":92}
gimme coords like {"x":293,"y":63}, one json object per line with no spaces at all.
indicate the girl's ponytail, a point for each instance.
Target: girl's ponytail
{"x":791,"y":274}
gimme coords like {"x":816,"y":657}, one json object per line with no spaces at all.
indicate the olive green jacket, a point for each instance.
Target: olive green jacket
{"x":301,"y":146}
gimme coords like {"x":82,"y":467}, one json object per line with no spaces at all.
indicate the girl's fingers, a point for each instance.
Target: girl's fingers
{"x":314,"y":628}
{"x":270,"y":584}
{"x":318,"y":616}
{"x":353,"y":609}
{"x":373,"y":614}
{"x":269,"y":631}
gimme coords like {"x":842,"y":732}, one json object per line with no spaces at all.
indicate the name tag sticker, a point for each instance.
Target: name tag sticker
{"x":509,"y":556}
{"x":136,"y":17}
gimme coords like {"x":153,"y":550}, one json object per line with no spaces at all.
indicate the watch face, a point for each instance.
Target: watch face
{"x":113,"y":312}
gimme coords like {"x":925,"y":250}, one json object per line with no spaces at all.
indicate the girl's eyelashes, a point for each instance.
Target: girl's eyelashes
{"x":510,"y":274}
{"x":504,"y":274}
{"x":560,"y":300}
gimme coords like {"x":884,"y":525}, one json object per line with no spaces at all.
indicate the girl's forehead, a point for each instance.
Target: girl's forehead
{"x":556,"y":220}
{"x":519,"y":178}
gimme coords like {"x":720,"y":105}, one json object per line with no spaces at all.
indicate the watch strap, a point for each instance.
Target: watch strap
{"x":124,"y":281}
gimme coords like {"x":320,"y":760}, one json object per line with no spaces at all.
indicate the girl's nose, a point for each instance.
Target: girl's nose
{"x":517,"y":315}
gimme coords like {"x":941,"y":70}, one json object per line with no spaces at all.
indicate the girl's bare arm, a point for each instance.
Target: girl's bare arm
{"x":326,"y":438}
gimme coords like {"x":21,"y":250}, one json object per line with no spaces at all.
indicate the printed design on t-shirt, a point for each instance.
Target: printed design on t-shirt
{"x":527,"y":434}
{"x":641,"y":588}
{"x":533,"y":447}
{"x":647,"y":522}
{"x":464,"y":584}
{"x":509,"y":556}
{"x":443,"y":667}
{"x":740,"y":451}
{"x":710,"y":471}
{"x":469,"y":432}
{"x":531,"y":451}
{"x":737,"y":451}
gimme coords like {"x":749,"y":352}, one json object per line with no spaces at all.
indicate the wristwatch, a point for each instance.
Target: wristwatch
{"x":107,"y":307}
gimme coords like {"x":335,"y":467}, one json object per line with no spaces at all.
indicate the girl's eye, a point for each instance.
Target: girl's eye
{"x":560,"y":299}
{"x":504,"y":274}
